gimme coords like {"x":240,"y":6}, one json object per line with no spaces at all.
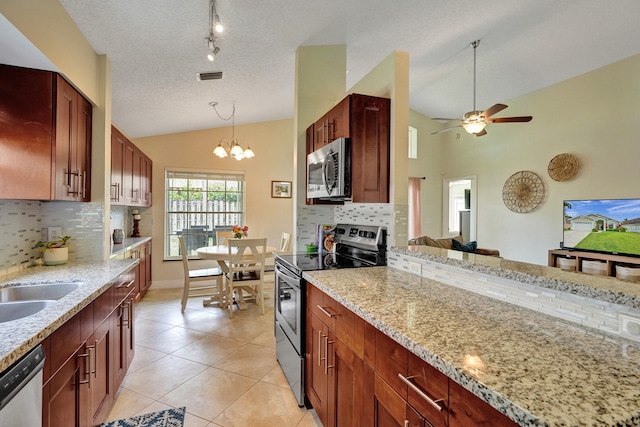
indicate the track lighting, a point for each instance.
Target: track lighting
{"x":213,"y":49}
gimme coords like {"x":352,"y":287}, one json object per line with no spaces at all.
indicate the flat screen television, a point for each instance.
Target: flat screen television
{"x":602,"y":225}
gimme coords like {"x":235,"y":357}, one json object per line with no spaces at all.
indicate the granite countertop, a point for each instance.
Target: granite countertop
{"x":127,"y":244}
{"x":603,"y":288}
{"x":20,"y":336}
{"x":536,"y":369}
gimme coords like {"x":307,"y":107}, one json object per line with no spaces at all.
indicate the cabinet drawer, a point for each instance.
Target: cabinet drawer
{"x":391,"y":359}
{"x":63,"y":343}
{"x":103,"y":306}
{"x":123,"y":287}
{"x":431,"y":391}
{"x":468,"y":410}
{"x":337,"y":317}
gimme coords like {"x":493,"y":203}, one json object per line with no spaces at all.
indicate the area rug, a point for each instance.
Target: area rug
{"x":168,"y":418}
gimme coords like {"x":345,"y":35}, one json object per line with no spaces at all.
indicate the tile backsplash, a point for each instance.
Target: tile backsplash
{"x":25,"y":222}
{"x":393,"y":217}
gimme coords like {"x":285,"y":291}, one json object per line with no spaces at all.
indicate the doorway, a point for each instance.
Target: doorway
{"x":459,"y":207}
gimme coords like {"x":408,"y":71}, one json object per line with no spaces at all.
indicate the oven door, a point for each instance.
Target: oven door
{"x":290,"y":305}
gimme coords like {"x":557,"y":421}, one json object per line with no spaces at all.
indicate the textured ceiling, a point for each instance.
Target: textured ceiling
{"x":157,"y":47}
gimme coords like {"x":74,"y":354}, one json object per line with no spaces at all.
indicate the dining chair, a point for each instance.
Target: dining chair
{"x":285,"y":240}
{"x":245,"y":272}
{"x":223,"y":236}
{"x":205,"y":282}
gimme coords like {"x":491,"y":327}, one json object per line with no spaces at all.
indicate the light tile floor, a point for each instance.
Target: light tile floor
{"x":223,"y":370}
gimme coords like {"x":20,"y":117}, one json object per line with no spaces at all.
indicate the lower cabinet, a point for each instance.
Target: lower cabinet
{"x":79,"y":377}
{"x":358,"y":376}
{"x":334,"y":367}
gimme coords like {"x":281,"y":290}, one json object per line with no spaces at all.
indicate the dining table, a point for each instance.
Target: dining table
{"x":221,"y":254}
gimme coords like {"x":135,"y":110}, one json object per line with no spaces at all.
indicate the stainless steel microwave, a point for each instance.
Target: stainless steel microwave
{"x":329,"y":171}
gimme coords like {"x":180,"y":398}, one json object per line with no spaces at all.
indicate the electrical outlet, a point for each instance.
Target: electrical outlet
{"x":629,"y":326}
{"x":415,"y":268}
{"x":54,"y":233}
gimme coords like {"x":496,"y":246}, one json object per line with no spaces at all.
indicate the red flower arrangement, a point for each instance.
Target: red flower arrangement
{"x":240,"y":232}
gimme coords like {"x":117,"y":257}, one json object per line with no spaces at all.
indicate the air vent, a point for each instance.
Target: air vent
{"x":216,"y":75}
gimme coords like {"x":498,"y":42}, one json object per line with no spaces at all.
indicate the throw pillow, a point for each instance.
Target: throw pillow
{"x":464,"y":247}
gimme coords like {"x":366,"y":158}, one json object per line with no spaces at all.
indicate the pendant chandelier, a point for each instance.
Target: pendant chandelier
{"x":231,"y":148}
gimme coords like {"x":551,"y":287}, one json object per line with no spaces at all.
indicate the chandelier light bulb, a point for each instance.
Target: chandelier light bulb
{"x":220,"y":151}
{"x":248,"y":153}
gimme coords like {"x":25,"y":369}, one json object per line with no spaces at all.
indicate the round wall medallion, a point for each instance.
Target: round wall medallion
{"x":523,"y":191}
{"x":563,"y":167}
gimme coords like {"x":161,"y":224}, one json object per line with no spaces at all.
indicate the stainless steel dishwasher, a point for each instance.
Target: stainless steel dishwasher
{"x":21,"y":391}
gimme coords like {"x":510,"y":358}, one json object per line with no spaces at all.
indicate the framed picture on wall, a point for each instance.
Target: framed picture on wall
{"x":281,"y":189}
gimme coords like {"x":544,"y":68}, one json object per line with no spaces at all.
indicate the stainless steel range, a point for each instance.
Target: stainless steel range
{"x":356,"y":246}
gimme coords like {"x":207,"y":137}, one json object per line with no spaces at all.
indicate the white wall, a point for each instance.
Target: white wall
{"x":592,"y":116}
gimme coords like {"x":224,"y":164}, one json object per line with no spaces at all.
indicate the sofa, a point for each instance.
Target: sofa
{"x":455,"y":243}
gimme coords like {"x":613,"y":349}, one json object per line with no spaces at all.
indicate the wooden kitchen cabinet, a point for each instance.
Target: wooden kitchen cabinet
{"x":143,"y":269}
{"x":131,"y":172}
{"x":72,"y":144}
{"x":365,"y":120}
{"x":45,"y":149}
{"x":118,"y":143}
{"x":334,"y":371}
{"x":79,"y":374}
{"x":354,"y":376}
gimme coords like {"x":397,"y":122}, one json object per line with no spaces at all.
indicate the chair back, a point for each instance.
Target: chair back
{"x":185,"y":256}
{"x":247,"y":256}
{"x":223,"y":236}
{"x":284,"y":241}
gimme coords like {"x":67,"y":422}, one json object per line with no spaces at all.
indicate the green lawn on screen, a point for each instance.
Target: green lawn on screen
{"x":612,"y":241}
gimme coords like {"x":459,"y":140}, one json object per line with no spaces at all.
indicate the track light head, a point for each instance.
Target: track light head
{"x":217,"y":24}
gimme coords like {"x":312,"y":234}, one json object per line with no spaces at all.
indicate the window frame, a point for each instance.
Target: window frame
{"x":238,"y":178}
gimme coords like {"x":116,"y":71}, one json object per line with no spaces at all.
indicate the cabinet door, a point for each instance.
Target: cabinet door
{"x":101,"y":389}
{"x":65,"y":140}
{"x":320,"y":133}
{"x":117,"y":167}
{"x":26,"y":133}
{"x":316,"y":367}
{"x":369,"y":132}
{"x":430,"y":390}
{"x":83,"y":153}
{"x":147,"y":176}
{"x":338,"y":120}
{"x":128,"y":175}
{"x":64,"y":396}
{"x":346,"y":387}
{"x":392,"y":410}
{"x":147,"y":266}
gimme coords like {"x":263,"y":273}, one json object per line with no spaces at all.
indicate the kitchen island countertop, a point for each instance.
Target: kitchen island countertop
{"x":20,"y":336}
{"x":536,"y":369}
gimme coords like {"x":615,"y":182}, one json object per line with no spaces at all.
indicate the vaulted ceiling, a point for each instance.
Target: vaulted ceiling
{"x":158,"y":46}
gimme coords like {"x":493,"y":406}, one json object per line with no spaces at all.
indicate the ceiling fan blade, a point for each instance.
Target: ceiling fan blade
{"x":511,"y":119}
{"x":493,"y":110}
{"x":481,"y":133}
{"x":444,"y":130}
{"x":445,"y":119}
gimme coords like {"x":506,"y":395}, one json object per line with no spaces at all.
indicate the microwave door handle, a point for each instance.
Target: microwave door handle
{"x":329,"y":184}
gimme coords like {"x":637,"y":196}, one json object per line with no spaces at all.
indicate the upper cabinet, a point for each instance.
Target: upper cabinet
{"x":45,"y":137}
{"x":365,"y":120}
{"x":131,"y":172}
{"x":72,"y":144}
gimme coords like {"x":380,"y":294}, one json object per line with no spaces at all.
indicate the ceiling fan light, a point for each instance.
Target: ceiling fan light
{"x":474,"y":127}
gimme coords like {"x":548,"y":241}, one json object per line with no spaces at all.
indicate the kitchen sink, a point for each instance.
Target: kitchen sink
{"x":41,"y":291}
{"x":18,"y":309}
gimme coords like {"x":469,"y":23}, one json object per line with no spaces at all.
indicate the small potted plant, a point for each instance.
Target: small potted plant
{"x":55,"y":252}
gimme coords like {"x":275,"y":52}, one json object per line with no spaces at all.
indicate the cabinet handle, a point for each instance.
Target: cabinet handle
{"x":324,"y":310}
{"x":434,"y":403}
{"x":319,"y":348}
{"x":125,"y":321}
{"x":95,"y":359}
{"x":84,"y":184}
{"x":116,"y":198}
{"x":326,"y":352}
{"x":406,"y":423}
{"x":131,"y":314}
{"x":90,"y":350}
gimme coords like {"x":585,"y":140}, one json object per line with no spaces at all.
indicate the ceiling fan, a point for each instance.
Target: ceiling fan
{"x":475,"y":121}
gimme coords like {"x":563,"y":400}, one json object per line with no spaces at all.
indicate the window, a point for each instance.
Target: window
{"x":198,"y":205}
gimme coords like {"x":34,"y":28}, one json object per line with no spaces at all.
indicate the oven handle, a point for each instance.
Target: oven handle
{"x":291,"y":280}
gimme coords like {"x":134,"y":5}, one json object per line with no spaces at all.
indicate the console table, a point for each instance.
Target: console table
{"x":611,"y":260}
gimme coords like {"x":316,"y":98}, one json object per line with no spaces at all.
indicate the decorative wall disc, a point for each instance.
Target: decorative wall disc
{"x":523,"y":191}
{"x":563,"y":167}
